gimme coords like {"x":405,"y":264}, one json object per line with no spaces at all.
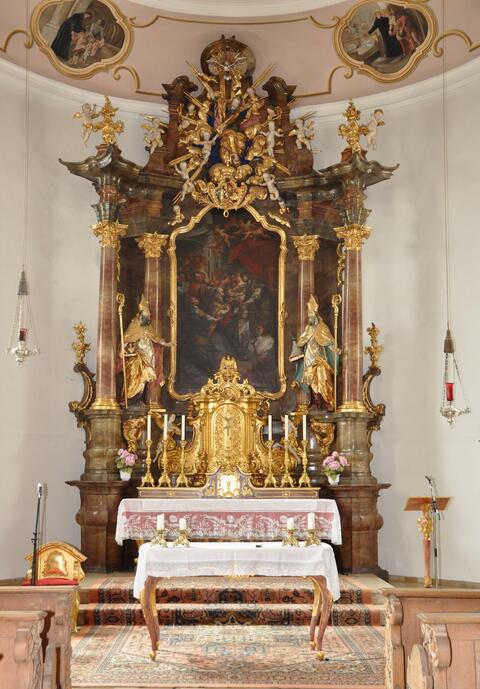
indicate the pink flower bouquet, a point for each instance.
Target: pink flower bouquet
{"x":334,"y":464}
{"x":125,"y":461}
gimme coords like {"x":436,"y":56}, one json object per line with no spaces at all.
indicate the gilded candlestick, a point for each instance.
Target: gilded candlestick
{"x":147,"y":480}
{"x":182,"y":539}
{"x":304,"y":478}
{"x":312,"y":538}
{"x":290,"y":539}
{"x":270,"y":480}
{"x":287,"y":480}
{"x":182,"y":480}
{"x":159,"y":538}
{"x":164,"y":479}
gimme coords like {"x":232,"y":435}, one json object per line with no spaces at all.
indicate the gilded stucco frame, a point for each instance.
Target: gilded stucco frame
{"x":281,"y":310}
{"x":416,"y":57}
{"x":101,"y":65}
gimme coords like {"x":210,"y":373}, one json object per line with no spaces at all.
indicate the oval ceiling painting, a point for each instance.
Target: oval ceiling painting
{"x":385,"y":39}
{"x":81,"y":38}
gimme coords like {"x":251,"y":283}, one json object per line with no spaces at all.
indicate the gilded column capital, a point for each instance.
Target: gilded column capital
{"x":306,"y":245}
{"x":110,"y":232}
{"x":152,"y":244}
{"x":353,"y":235}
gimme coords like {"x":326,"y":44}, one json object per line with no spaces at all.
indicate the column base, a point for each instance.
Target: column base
{"x":357,"y":504}
{"x":105,"y":403}
{"x":97,"y":517}
{"x":352,"y":406}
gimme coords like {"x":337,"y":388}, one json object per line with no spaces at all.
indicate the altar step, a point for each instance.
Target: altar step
{"x":222,"y":600}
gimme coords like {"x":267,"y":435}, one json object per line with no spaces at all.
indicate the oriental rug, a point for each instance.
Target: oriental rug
{"x":225,"y":657}
{"x":220,"y":600}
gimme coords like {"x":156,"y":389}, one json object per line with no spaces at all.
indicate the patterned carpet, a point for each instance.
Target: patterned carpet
{"x":223,"y":601}
{"x":225,"y":657}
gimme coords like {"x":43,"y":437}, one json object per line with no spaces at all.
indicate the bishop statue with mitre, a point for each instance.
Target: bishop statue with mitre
{"x":143,"y":352}
{"x":315,"y":353}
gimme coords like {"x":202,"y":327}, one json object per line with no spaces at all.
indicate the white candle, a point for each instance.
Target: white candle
{"x":149,"y":427}
{"x":311,"y":520}
{"x":165,"y":426}
{"x":269,"y":427}
{"x":160,"y":521}
{"x":290,"y":522}
{"x":183,"y":426}
{"x":286,"y":426}
{"x":182,"y":524}
{"x":304,"y":426}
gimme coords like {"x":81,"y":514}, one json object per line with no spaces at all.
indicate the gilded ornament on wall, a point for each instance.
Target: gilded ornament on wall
{"x":81,"y":42}
{"x":386,"y":40}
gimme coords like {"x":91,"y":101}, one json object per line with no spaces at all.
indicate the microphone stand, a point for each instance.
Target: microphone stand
{"x":35,"y":537}
{"x":436,"y":530}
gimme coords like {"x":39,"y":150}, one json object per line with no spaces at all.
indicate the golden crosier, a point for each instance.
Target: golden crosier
{"x":152,"y":244}
{"x":80,"y":347}
{"x":306,"y":246}
{"x":353,"y":235}
{"x":110,"y":233}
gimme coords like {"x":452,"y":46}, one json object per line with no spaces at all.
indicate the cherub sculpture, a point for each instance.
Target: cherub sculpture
{"x":304,"y":130}
{"x":87,"y":114}
{"x":272,"y":132}
{"x":155,"y":129}
{"x":375,"y":122}
{"x":184,"y":171}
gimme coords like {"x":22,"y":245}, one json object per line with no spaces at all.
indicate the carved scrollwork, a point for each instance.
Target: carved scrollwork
{"x":324,"y":434}
{"x":373,"y":350}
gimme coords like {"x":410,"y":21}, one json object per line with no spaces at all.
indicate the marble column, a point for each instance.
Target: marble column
{"x":109,"y":233}
{"x":352,"y":329}
{"x":307,"y":246}
{"x":152,"y":246}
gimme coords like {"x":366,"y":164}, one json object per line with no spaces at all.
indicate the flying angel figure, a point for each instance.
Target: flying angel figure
{"x":304,"y":130}
{"x":372,"y":126}
{"x":155,"y":129}
{"x":87,"y":114}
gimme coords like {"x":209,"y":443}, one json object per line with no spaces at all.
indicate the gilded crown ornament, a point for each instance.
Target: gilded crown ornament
{"x":107,"y":125}
{"x":374,"y":349}
{"x":353,"y":130}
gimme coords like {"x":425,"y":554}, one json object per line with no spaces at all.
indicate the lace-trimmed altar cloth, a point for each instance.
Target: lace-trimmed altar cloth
{"x":231,"y":519}
{"x":234,"y":559}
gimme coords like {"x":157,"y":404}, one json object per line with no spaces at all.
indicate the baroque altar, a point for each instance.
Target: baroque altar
{"x":223,"y":248}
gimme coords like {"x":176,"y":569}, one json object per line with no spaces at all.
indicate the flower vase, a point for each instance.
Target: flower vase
{"x":125,"y":475}
{"x":334,"y":480}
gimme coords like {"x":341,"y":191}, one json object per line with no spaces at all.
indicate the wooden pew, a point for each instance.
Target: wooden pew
{"x":58,"y":602}
{"x":402,"y":627}
{"x":21,"y":663}
{"x":449,"y":657}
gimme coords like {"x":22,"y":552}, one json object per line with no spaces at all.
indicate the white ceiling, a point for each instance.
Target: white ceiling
{"x":237,"y":8}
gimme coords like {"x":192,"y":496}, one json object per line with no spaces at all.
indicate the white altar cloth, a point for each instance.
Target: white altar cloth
{"x":223,"y":559}
{"x":240,"y":519}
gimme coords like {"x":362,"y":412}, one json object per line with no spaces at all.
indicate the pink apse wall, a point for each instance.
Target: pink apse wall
{"x":304,"y":54}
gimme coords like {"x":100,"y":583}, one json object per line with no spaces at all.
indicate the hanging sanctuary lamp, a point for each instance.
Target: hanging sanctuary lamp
{"x":23,"y":339}
{"x":454,"y":402}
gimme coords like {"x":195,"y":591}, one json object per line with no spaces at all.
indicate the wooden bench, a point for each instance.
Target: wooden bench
{"x":57,"y":602}
{"x":402,"y":630}
{"x":21,"y":663}
{"x":449,"y":656}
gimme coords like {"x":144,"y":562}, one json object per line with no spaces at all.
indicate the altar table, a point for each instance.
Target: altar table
{"x":238,"y":559}
{"x":239,"y":519}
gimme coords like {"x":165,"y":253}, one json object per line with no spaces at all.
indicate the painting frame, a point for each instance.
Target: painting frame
{"x":281,"y":313}
{"x":417,"y":56}
{"x":102,"y":65}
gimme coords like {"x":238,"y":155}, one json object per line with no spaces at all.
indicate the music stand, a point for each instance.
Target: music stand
{"x":428,"y":523}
